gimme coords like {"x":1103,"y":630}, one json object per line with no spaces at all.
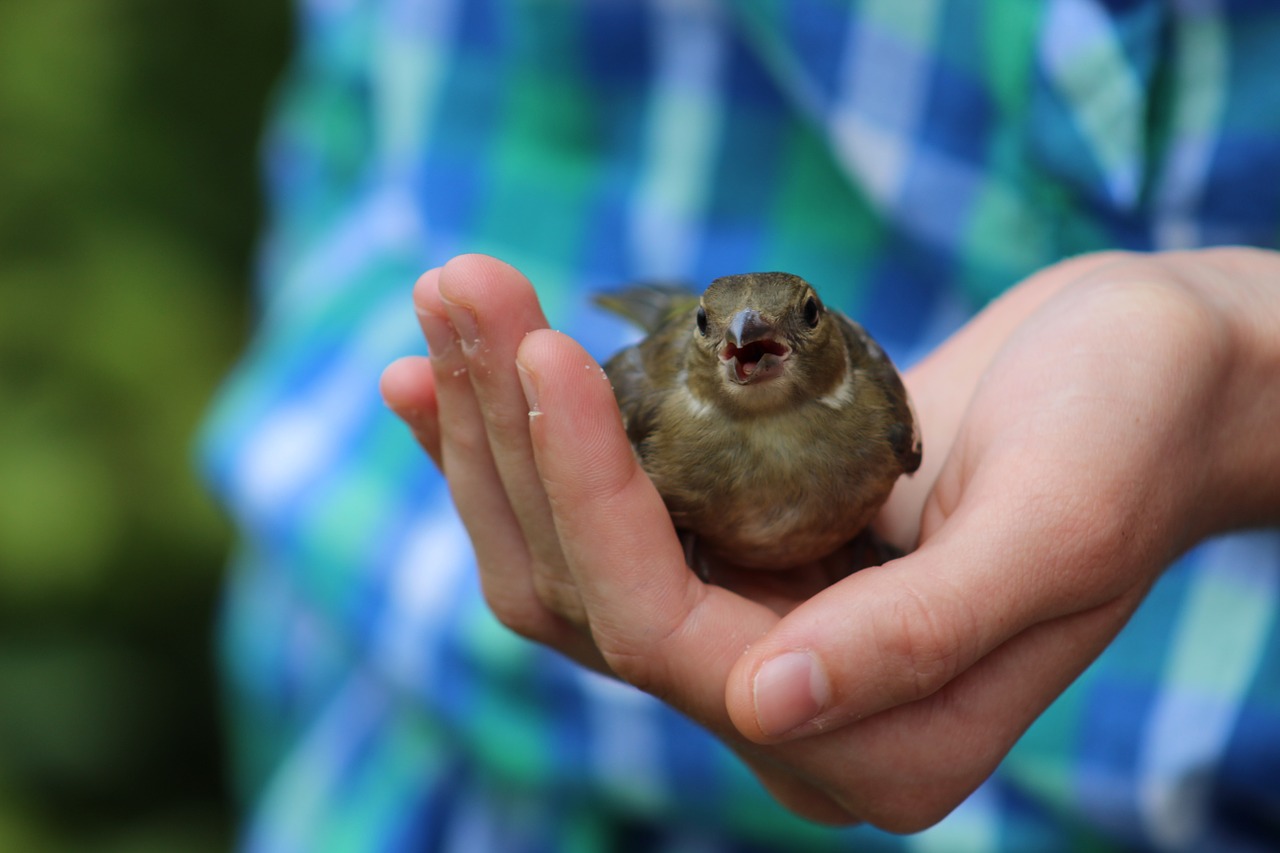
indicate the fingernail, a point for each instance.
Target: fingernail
{"x":789,"y":690}
{"x":530,"y":387}
{"x":441,"y":337}
{"x":464,"y":320}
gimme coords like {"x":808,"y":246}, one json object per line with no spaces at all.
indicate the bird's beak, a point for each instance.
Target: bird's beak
{"x":746,"y":327}
{"x":751,"y":353}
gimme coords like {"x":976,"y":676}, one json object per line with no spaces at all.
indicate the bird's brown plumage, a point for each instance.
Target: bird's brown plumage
{"x":774,"y":428}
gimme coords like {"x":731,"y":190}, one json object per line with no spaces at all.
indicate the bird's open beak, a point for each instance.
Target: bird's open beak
{"x":747,"y":326}
{"x":752,"y":351}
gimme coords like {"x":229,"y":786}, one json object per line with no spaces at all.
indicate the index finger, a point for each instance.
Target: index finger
{"x":657,"y":625}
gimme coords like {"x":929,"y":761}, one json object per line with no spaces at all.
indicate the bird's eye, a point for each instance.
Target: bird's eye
{"x":702,"y":320}
{"x":812,"y":312}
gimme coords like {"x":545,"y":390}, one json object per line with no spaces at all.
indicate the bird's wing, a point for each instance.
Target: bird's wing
{"x":645,"y":374}
{"x":648,"y":305}
{"x":904,"y":434}
{"x":636,"y":393}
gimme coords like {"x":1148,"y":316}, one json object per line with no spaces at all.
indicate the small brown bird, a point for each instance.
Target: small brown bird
{"x":773,"y":427}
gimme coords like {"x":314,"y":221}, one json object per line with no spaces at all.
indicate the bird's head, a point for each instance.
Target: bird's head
{"x":762,"y":341}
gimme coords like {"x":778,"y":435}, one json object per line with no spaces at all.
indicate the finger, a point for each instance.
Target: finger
{"x":493,"y":306}
{"x":501,"y":553}
{"x":408,"y":387}
{"x":657,"y":625}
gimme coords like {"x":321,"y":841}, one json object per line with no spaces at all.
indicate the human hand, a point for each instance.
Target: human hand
{"x":1069,"y":461}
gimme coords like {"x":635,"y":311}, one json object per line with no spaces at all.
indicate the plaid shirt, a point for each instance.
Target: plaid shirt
{"x":911,"y":157}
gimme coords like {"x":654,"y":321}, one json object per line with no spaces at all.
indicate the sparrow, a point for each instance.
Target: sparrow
{"x":772,"y":426}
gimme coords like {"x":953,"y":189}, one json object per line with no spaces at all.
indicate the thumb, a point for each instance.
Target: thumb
{"x":897,"y":633}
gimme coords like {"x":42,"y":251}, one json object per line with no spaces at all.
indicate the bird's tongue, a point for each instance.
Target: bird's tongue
{"x":747,"y":358}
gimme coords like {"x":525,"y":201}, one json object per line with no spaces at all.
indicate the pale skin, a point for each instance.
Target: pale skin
{"x":1099,"y":419}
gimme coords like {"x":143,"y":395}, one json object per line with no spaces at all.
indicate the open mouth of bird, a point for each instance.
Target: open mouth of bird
{"x":754,"y":362}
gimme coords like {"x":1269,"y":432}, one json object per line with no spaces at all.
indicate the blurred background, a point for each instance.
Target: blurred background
{"x":128,"y":212}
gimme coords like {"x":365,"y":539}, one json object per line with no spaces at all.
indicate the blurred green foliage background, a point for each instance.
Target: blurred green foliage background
{"x":128,"y":212}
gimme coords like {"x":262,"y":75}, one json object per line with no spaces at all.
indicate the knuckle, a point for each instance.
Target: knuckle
{"x":1152,"y":304}
{"x":559,"y":595}
{"x":467,"y":441}
{"x":523,"y":614}
{"x":637,"y":658}
{"x":632,"y":661}
{"x":632,"y":667}
{"x":921,"y":649}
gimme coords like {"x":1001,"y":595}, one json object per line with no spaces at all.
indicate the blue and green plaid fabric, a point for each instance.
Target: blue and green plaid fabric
{"x":911,"y":157}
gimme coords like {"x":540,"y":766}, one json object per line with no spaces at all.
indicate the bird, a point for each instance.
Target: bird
{"x":772,"y":426}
